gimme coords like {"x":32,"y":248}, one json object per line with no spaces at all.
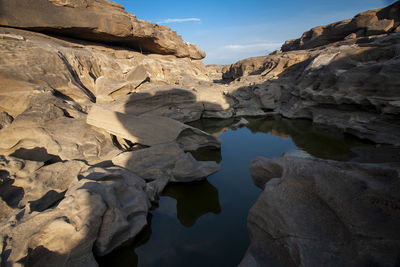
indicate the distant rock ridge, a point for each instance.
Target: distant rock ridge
{"x":95,"y":20}
{"x":371,"y":22}
{"x":345,"y":75}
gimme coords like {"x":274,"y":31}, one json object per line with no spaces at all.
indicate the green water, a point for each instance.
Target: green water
{"x":204,"y":223}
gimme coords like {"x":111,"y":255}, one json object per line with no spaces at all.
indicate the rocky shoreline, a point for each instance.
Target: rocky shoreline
{"x":92,"y":128}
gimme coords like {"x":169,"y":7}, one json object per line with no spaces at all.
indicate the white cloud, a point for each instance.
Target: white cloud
{"x":180,"y":20}
{"x":231,"y":53}
{"x":257,"y":47}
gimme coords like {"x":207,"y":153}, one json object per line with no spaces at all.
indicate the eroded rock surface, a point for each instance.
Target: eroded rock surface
{"x":92,"y":106}
{"x":101,"y":210}
{"x":351,"y":84}
{"x":166,"y":161}
{"x":316,"y":212}
{"x":371,"y":22}
{"x":150,"y":130}
{"x":95,"y":20}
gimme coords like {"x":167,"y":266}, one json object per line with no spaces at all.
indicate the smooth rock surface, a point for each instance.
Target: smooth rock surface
{"x":165,"y":161}
{"x":150,"y":130}
{"x":316,"y":212}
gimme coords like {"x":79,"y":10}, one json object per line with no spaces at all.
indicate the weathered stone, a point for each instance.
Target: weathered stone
{"x":314,"y":212}
{"x":100,"y":21}
{"x":46,"y":131}
{"x":150,"y":130}
{"x":5,"y":119}
{"x":165,"y":161}
{"x":42,"y":186}
{"x":102,"y":210}
{"x":371,"y":22}
{"x":380,"y":27}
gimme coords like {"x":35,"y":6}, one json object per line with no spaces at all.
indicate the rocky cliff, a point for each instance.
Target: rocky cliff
{"x":95,"y":20}
{"x":315,"y":212}
{"x":350,"y":81}
{"x":91,"y":109}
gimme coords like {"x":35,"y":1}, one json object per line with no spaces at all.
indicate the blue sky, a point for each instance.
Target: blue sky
{"x":232,"y":30}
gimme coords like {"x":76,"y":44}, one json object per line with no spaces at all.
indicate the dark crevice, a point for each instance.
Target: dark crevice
{"x":75,"y":76}
{"x":10,"y":194}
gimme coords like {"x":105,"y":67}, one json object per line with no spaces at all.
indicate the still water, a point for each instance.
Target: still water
{"x":204,"y":223}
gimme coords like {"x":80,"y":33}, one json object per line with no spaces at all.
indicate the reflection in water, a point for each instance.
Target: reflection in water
{"x":205,"y":223}
{"x":193,"y":200}
{"x":123,"y":257}
{"x":316,"y":140}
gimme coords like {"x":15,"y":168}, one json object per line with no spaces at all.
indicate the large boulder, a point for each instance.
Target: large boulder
{"x":316,"y":212}
{"x":95,"y":20}
{"x":150,"y":130}
{"x":165,"y":161}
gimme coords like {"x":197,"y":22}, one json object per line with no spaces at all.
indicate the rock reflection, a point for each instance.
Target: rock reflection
{"x":126,"y":256}
{"x":193,"y":200}
{"x":318,"y":141}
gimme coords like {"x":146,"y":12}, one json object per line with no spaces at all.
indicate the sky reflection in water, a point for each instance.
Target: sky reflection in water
{"x":204,"y":223}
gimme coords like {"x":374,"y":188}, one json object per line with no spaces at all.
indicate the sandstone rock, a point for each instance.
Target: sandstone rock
{"x":127,"y":205}
{"x":370,"y":22}
{"x":105,"y":208}
{"x":63,"y":236}
{"x":150,"y":130}
{"x":380,"y":27}
{"x":5,"y":119}
{"x":40,"y":186}
{"x":314,"y":212}
{"x":165,"y":161}
{"x":345,"y":85}
{"x":100,"y":21}
{"x":177,"y":103}
{"x":46,"y":131}
{"x":73,"y":68}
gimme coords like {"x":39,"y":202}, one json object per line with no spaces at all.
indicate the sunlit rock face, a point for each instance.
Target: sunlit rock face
{"x":368,"y":23}
{"x":66,"y":68}
{"x":350,"y":83}
{"x":96,"y":20}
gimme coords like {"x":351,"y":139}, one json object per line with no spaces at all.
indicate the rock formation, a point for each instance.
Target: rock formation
{"x":349,"y":79}
{"x":89,"y":101}
{"x":368,"y":23}
{"x":95,"y":20}
{"x":93,"y":103}
{"x":316,"y":212}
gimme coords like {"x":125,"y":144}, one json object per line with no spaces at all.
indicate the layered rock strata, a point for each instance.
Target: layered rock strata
{"x":95,"y":20}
